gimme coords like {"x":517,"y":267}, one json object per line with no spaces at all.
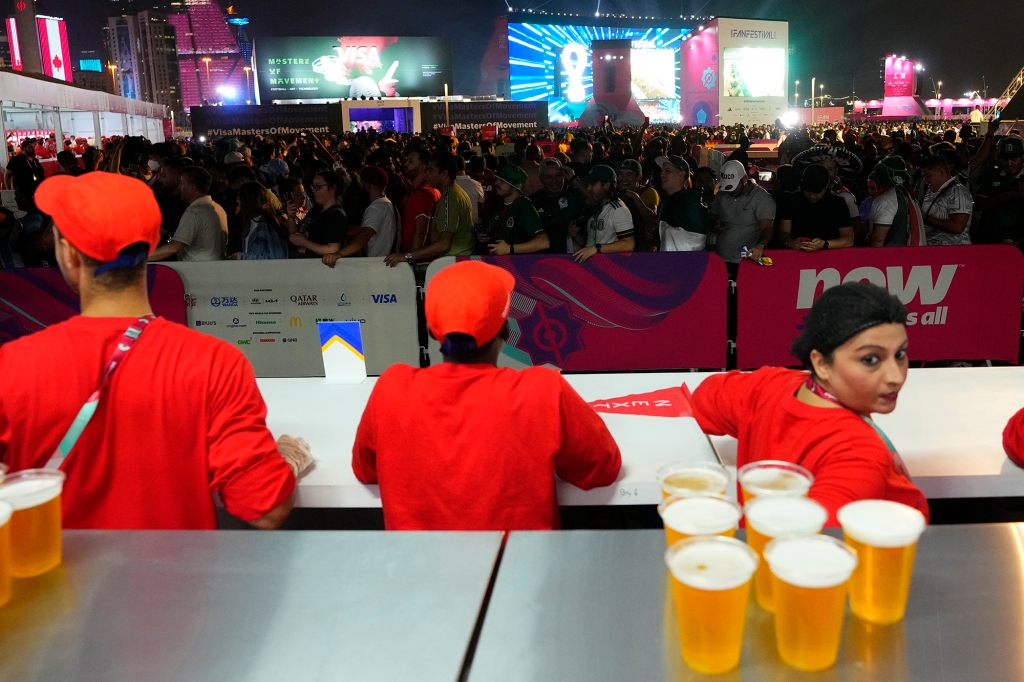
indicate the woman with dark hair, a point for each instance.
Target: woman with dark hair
{"x":323,"y":230}
{"x":263,"y":237}
{"x":854,"y":350}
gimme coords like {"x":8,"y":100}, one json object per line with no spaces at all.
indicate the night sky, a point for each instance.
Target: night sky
{"x":837,"y":42}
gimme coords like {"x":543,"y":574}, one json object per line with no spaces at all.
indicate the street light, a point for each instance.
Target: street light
{"x":113,"y":78}
{"x":796,"y":94}
{"x":207,"y":60}
{"x":821,"y":94}
{"x":813,"y":80}
{"x":248,"y":97}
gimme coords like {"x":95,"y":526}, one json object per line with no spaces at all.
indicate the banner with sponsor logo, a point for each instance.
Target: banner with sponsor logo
{"x":35,"y":298}
{"x":964,"y":301}
{"x":280,"y":119}
{"x":503,"y":114}
{"x":615,"y":312}
{"x":270,"y":310}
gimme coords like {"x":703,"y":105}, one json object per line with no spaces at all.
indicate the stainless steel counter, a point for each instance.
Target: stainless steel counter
{"x":249,"y":607}
{"x":596,"y":605}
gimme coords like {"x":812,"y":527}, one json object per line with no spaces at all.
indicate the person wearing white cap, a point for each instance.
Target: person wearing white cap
{"x":743,"y":213}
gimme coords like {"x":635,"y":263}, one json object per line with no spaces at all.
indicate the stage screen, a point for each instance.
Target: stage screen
{"x":754,"y":72}
{"x":351,"y":66}
{"x":553,"y":62}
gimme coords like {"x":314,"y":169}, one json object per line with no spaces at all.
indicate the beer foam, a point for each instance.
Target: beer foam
{"x":710,"y":480}
{"x":718,"y":564}
{"x":810,"y":561}
{"x":700,"y":515}
{"x":881,"y":523}
{"x":775,"y":516}
{"x":5,"y":513}
{"x":29,"y":491}
{"x":770,"y":480}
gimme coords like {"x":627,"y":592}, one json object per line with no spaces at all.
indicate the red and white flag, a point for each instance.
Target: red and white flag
{"x":53,"y":48}
{"x":665,"y":402}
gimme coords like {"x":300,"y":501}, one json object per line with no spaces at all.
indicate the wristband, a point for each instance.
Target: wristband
{"x":511,"y":249}
{"x":825,"y":248}
{"x":598,"y":247}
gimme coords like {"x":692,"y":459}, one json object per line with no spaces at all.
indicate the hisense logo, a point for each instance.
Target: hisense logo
{"x":919,"y":283}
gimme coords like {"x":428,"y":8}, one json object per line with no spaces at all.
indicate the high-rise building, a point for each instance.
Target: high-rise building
{"x":5,"y":51}
{"x":212,"y":64}
{"x":142,"y":48}
{"x":94,"y":80}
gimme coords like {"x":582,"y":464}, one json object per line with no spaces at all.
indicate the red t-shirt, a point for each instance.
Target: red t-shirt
{"x":849,"y":459}
{"x":420,"y":202}
{"x":181,"y":418}
{"x":475,"y":447}
{"x":1013,"y":439}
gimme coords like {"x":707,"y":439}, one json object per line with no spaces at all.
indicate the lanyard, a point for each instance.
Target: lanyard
{"x":817,"y":390}
{"x":89,"y":408}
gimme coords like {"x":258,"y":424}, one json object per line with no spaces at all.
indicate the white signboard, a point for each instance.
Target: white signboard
{"x":269,"y":309}
{"x":754,"y":74}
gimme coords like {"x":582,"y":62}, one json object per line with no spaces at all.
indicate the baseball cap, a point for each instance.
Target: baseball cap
{"x":548,"y":164}
{"x":470,"y":298}
{"x":111,"y":218}
{"x":233,"y":157}
{"x":1011,"y":146}
{"x":513,"y":175}
{"x":601,"y":173}
{"x":815,"y":178}
{"x":730,"y":176}
{"x":631,"y":165}
{"x":677,"y":162}
{"x":372,"y":175}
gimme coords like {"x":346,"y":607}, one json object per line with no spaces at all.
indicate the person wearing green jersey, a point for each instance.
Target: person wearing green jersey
{"x":558,"y":203}
{"x":515,"y":225}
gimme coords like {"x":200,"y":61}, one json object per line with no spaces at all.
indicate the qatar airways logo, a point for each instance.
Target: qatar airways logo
{"x":920,"y":283}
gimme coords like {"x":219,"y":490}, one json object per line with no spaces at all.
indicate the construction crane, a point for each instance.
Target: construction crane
{"x":1016,"y":84}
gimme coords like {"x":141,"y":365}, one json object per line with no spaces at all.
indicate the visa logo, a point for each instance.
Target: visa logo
{"x":384,"y":298}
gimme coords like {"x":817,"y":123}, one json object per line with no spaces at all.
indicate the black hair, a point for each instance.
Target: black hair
{"x":460,"y":164}
{"x":423,"y":154}
{"x":935,"y":162}
{"x":446,"y":164}
{"x":476,"y":165}
{"x":199,"y":178}
{"x":841,"y":313}
{"x":463,"y":348}
{"x":331,"y":179}
{"x":242,"y":173}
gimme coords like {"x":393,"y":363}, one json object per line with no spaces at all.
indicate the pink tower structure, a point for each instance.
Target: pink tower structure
{"x":212,"y":65}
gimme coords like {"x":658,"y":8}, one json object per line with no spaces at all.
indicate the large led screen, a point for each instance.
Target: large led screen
{"x":754,"y":72}
{"x":554,"y":63}
{"x":351,"y":66}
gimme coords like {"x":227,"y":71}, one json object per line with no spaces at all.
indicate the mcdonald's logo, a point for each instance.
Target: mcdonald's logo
{"x":295,"y":322}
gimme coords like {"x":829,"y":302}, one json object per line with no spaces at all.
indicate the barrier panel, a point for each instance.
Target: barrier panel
{"x":35,"y":298}
{"x":269,"y":309}
{"x":964,"y":301}
{"x":615,"y":312}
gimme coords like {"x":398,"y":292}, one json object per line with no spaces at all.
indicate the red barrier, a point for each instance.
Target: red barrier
{"x":618,"y":312}
{"x":964,"y":301}
{"x":35,"y":298}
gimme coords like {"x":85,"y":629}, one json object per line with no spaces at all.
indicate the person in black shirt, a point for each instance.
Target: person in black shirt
{"x":814,"y":218}
{"x":323,"y":230}
{"x":23,"y":175}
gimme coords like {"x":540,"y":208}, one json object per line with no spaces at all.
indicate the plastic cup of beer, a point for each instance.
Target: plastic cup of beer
{"x":685,"y":517}
{"x":773,"y":478}
{"x":36,"y":522}
{"x":772,"y":517}
{"x":809,"y":582}
{"x":885,"y":535}
{"x":711,"y":584}
{"x":6,"y":511}
{"x":683,"y":479}
{"x":3,"y":472}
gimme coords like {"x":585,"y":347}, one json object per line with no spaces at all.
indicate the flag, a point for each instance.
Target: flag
{"x":665,"y":402}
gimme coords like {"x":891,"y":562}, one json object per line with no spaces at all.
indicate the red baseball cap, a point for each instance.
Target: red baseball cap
{"x":109,"y":217}
{"x":471,"y":298}
{"x":372,"y":175}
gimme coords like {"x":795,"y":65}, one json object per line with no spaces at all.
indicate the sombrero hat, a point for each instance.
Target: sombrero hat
{"x":848,"y":162}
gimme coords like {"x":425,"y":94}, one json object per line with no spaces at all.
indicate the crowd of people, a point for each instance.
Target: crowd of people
{"x":414,"y":198}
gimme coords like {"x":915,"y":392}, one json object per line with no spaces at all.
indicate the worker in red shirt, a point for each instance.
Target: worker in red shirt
{"x":175,"y":415}
{"x":466,"y":445}
{"x":854,"y":346}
